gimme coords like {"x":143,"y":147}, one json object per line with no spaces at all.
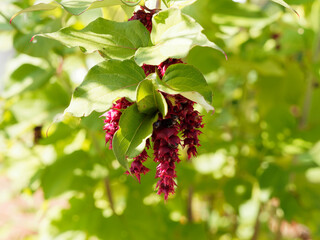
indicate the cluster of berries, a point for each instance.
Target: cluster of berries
{"x":180,"y":127}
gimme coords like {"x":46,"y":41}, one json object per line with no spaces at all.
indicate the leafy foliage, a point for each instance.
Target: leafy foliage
{"x":257,"y":173}
{"x":173,"y":35}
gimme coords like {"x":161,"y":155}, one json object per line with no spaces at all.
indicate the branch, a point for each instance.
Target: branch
{"x":189,"y":205}
{"x":311,"y":79}
{"x":255,"y":235}
{"x":109,"y":194}
{"x":307,"y":102}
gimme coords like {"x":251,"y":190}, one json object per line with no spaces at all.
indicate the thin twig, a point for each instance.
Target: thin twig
{"x":189,"y":205}
{"x":257,"y":225}
{"x":278,"y":235}
{"x":310,"y":87}
{"x":109,"y":194}
{"x":307,"y":102}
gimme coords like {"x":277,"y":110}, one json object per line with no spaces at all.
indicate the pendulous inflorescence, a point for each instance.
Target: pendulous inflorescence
{"x":178,"y":129}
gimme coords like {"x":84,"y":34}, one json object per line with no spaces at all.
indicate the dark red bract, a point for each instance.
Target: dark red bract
{"x":112,"y":118}
{"x":148,"y":69}
{"x":182,"y":118}
{"x":144,"y":17}
{"x":164,"y":65}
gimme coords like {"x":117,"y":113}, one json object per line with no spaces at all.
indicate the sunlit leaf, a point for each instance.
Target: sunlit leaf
{"x":71,"y":6}
{"x":80,"y":6}
{"x":103,"y":84}
{"x":36,"y":7}
{"x":131,"y":3}
{"x":188,"y":81}
{"x":173,"y":35}
{"x":112,"y":39}
{"x":178,"y":3}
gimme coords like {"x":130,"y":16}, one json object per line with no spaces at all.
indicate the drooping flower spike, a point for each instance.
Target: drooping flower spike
{"x":179,"y":128}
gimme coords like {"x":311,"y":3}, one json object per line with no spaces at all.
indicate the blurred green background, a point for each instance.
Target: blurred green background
{"x":257,"y":175}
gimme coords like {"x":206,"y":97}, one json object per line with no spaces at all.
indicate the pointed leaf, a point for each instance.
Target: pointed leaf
{"x":149,"y":99}
{"x":117,"y":40}
{"x":37,"y":7}
{"x":103,"y":83}
{"x":39,"y":48}
{"x":188,"y":81}
{"x":130,"y":140}
{"x":131,"y":3}
{"x":286,"y":5}
{"x":178,"y":3}
{"x":80,"y":6}
{"x":173,"y":35}
{"x":71,"y":6}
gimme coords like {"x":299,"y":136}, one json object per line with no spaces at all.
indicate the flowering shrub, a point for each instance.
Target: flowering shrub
{"x":256,"y":153}
{"x":153,"y":89}
{"x":180,"y":118}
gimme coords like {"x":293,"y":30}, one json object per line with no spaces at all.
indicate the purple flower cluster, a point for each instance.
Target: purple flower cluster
{"x":164,"y":65}
{"x":180,"y":127}
{"x":148,"y":69}
{"x":137,"y":167}
{"x":181,"y":118}
{"x":190,"y":122}
{"x":144,"y":17}
{"x":165,"y":149}
{"x":112,"y":118}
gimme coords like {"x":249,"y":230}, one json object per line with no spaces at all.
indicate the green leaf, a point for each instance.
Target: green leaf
{"x":25,"y":78}
{"x":80,"y":6}
{"x":120,"y":13}
{"x":37,"y":7}
{"x":118,"y":40}
{"x":189,"y":82}
{"x":103,"y":83}
{"x":73,"y":7}
{"x":286,"y":5}
{"x":41,"y":47}
{"x":149,"y":99}
{"x":173,"y":35}
{"x":130,"y":140}
{"x":178,"y":3}
{"x":131,"y":3}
